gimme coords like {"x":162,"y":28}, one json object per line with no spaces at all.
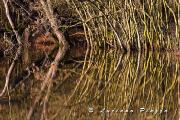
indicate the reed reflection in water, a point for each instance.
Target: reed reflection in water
{"x":107,"y":85}
{"x":143,"y":86}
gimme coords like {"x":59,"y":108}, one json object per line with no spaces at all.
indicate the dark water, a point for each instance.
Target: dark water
{"x":105,"y":85}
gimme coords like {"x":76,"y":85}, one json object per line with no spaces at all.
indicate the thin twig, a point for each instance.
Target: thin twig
{"x":10,"y":71}
{"x":46,"y":98}
{"x":11,"y":22}
{"x":18,"y":51}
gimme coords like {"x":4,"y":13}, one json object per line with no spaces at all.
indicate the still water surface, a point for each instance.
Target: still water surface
{"x":105,"y":85}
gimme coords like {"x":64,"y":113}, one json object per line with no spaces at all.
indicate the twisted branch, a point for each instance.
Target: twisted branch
{"x":61,"y":52}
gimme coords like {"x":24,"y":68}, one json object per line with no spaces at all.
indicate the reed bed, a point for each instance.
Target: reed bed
{"x":111,"y":80}
{"x":130,"y":24}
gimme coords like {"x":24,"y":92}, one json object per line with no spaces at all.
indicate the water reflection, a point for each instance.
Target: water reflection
{"x":106,"y":85}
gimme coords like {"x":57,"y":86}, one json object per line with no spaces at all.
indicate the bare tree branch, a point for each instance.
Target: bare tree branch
{"x":11,"y":22}
{"x":10,"y":71}
{"x":61,"y":52}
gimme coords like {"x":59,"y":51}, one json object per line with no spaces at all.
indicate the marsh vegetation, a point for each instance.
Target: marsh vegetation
{"x":89,"y":59}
